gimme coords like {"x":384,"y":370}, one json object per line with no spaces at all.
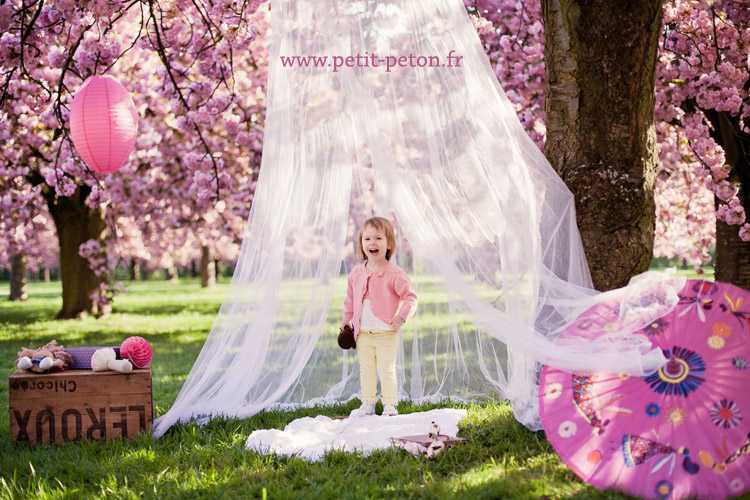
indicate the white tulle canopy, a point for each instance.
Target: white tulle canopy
{"x":486,"y":229}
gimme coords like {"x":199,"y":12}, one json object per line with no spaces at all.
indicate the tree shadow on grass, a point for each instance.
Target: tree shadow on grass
{"x":497,"y":446}
{"x":41,"y":295}
{"x":501,"y":459}
{"x":13,"y":313}
{"x":168,"y":308}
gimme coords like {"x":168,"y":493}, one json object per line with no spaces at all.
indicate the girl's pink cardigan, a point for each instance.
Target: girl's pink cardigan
{"x":391,"y":293}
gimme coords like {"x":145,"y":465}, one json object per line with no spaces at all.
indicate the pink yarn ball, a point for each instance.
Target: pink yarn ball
{"x":137,"y":350}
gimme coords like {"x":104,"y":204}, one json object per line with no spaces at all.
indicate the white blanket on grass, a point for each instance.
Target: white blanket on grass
{"x":311,"y":437}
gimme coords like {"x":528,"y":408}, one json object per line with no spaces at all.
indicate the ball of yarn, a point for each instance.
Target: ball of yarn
{"x":137,"y":350}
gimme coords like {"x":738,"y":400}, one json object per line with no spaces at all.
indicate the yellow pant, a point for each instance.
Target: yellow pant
{"x":377,"y":351}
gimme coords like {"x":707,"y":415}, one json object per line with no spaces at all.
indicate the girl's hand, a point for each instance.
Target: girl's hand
{"x":347,"y":323}
{"x":396,"y":323}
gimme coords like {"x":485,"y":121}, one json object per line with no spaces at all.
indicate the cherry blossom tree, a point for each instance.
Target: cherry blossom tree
{"x":703,"y":105}
{"x":685,"y":219}
{"x":600,"y":126}
{"x":512,"y":34}
{"x":702,"y":100}
{"x":196,"y":71}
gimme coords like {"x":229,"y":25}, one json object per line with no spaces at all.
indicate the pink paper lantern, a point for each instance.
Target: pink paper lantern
{"x":103,"y":123}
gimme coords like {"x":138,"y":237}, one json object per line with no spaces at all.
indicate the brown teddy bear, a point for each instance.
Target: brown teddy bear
{"x":346,"y":338}
{"x":50,"y":358}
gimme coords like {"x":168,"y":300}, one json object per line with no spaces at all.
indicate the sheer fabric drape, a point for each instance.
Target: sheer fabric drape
{"x":486,"y":229}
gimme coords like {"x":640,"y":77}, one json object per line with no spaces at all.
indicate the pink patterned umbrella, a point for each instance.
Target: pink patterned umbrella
{"x":683,"y":431}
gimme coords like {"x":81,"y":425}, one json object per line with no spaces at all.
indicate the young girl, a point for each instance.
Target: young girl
{"x":379,"y":300}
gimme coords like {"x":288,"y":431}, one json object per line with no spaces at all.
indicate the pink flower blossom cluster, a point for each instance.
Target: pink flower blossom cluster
{"x":702,"y":81}
{"x":685,"y":220}
{"x":196,"y":71}
{"x":513,"y":38}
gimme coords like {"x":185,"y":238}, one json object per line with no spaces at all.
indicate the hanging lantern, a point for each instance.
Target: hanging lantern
{"x":103,"y":123}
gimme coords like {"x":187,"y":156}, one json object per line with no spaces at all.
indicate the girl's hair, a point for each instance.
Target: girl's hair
{"x":380,"y":224}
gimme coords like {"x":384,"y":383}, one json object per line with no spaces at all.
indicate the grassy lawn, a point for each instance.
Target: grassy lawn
{"x":501,"y":459}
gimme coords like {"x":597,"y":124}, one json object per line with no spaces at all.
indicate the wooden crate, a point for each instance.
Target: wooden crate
{"x":79,"y":404}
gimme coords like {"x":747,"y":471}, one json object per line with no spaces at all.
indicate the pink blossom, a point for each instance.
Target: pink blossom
{"x":151,"y":198}
{"x":725,"y":191}
{"x":720,"y":172}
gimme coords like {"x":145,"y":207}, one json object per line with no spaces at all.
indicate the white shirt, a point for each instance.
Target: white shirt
{"x":370,"y":321}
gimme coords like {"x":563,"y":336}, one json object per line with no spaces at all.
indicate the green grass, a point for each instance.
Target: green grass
{"x":501,"y":459}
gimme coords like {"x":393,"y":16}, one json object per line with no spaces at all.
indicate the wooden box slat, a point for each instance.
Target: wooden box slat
{"x":79,"y":404}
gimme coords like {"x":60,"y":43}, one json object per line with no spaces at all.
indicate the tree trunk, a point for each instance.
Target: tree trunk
{"x":208,"y":268}
{"x":732,"y":254}
{"x":135,"y":270}
{"x":77,"y":223}
{"x":193,"y":269}
{"x":732,"y":263}
{"x":600,"y":58}
{"x":18,"y":277}
{"x":45,"y":275}
{"x":218,"y":270}
{"x":170,"y":274}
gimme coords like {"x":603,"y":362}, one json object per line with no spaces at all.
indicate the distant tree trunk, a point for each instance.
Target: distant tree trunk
{"x":217,"y":267}
{"x":193,"y":269}
{"x":135,"y":270}
{"x":208,"y":269}
{"x":77,"y":223}
{"x":600,"y":58}
{"x":18,"y":277}
{"x":732,"y":254}
{"x":45,"y":275}
{"x":170,"y":273}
